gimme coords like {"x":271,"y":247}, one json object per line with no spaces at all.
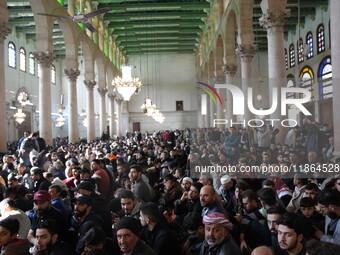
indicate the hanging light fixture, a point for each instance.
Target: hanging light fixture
{"x":148,"y":107}
{"x":60,"y":121}
{"x":19,"y":116}
{"x":126,"y":85}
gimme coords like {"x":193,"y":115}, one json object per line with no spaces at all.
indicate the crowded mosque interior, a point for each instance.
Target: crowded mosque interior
{"x":169,"y":127}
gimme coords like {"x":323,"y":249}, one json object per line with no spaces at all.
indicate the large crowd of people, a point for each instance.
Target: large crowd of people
{"x":141,"y":194}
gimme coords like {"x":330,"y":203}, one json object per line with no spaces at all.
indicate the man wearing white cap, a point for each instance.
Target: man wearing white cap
{"x":186,"y":183}
{"x":227,"y":190}
{"x":218,"y":240}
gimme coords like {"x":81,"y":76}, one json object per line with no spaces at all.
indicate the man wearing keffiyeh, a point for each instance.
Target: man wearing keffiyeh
{"x":218,"y":241}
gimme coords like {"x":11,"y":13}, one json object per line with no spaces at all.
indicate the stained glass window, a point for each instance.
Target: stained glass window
{"x":12,"y":55}
{"x":22,"y":60}
{"x":307,"y":80}
{"x":53,"y":74}
{"x":309,"y":41}
{"x":325,"y":78}
{"x":286,"y":58}
{"x":31,"y":64}
{"x":292,"y":55}
{"x":300,"y":51}
{"x":290,"y":83}
{"x":321,"y":38}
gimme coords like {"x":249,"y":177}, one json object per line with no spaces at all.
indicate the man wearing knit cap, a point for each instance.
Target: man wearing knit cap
{"x":128,"y":238}
{"x":218,"y":241}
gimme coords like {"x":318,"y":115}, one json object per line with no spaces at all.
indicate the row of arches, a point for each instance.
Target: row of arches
{"x":24,"y":64}
{"x":300,"y":55}
{"x":307,"y":80}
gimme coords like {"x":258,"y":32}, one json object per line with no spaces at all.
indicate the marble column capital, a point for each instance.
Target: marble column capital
{"x":102,"y":91}
{"x":119,"y":100}
{"x":89,"y":84}
{"x":246,"y":51}
{"x":45,"y":58}
{"x":111,"y":96}
{"x":72,"y":73}
{"x":274,"y":20}
{"x":230,"y":70}
{"x":5,"y":30}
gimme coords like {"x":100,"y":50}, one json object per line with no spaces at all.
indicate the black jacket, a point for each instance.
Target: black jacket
{"x":161,"y":240}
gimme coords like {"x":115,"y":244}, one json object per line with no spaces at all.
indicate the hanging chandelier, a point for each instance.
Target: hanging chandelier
{"x":19,"y":116}
{"x":126,"y":85}
{"x":60,"y":121}
{"x":158,"y":116}
{"x":148,"y":107}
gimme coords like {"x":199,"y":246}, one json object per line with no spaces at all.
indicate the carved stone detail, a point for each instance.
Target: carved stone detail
{"x":90,"y":84}
{"x":5,"y":30}
{"x":274,"y":20}
{"x":72,"y":73}
{"x":246,"y":51}
{"x":112,"y":96}
{"x":230,"y":70}
{"x":102,"y":91}
{"x":45,"y":58}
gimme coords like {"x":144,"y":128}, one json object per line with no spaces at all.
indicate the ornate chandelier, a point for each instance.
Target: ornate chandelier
{"x":126,"y":85}
{"x":148,"y":107}
{"x":60,"y":121}
{"x":19,"y":116}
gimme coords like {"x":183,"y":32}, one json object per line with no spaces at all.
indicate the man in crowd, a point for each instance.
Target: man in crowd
{"x":140,"y":188}
{"x":8,"y":210}
{"x":47,"y":240}
{"x":84,"y":219}
{"x":156,"y":235}
{"x":290,"y":236}
{"x":43,"y":210}
{"x":217,"y":236}
{"x":209,"y":202}
{"x":9,"y":242}
{"x":129,"y":204}
{"x":329,"y":205}
{"x":128,"y":238}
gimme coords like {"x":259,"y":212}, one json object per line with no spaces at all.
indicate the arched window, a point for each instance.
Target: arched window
{"x":307,"y":80}
{"x":31,"y":64}
{"x":300,"y":51}
{"x":321,"y":38}
{"x":325,"y":78}
{"x":286,"y":58}
{"x":310,"y":43}
{"x":22,"y":60}
{"x":292,"y":55}
{"x":290,"y":83}
{"x":53,"y":74}
{"x":12,"y":55}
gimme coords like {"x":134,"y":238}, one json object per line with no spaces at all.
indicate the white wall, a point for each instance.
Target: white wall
{"x":167,"y":78}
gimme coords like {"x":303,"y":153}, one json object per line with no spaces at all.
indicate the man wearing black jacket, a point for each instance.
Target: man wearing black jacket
{"x":83,"y":220}
{"x":156,"y":235}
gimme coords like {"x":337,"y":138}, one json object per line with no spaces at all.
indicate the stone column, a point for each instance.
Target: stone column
{"x":102,"y":125}
{"x":273,"y":19}
{"x":335,"y":41}
{"x":45,"y":59}
{"x":112,"y":97}
{"x":5,"y":30}
{"x":119,"y":116}
{"x":246,"y":52}
{"x":230,"y":72}
{"x":70,"y":7}
{"x":90,"y":110}
{"x":73,"y":129}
